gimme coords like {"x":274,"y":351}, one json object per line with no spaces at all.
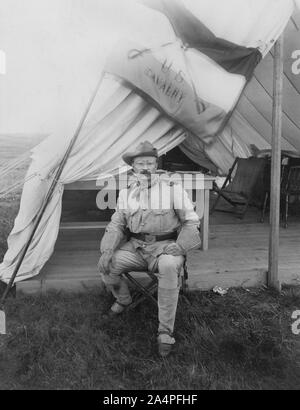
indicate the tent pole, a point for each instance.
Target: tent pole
{"x":50,"y":191}
{"x":273,"y":272}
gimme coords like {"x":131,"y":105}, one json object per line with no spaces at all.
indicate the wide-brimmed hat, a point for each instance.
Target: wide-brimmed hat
{"x":144,"y":149}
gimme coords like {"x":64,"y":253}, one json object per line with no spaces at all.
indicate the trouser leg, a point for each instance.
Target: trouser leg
{"x":169,"y":268}
{"x":122,"y":261}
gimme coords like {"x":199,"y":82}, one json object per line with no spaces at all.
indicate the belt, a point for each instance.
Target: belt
{"x":149,"y":237}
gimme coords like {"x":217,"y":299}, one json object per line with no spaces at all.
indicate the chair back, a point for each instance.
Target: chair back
{"x":248,"y":170}
{"x":293,"y":185}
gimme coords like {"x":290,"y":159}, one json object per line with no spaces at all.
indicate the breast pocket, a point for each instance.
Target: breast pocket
{"x":133,"y":218}
{"x":163,"y":219}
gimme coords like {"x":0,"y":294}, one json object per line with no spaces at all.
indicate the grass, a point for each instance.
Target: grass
{"x":240,"y":341}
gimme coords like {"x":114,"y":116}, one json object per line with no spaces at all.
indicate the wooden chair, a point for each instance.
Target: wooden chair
{"x":290,"y":187}
{"x":143,"y":292}
{"x":267,"y":183}
{"x":288,"y":184}
{"x":239,"y":186}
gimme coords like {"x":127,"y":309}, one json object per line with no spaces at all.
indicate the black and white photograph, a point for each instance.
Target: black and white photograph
{"x":149,"y":198}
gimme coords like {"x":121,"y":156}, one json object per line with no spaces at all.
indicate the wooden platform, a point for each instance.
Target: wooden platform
{"x":237,"y":257}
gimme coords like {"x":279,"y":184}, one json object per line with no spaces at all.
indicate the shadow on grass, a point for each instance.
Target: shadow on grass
{"x":240,"y":341}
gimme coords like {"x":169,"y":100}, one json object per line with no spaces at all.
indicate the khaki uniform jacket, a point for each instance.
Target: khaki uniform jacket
{"x":163,"y":208}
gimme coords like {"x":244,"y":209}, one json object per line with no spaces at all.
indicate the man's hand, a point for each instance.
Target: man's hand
{"x":174,"y":249}
{"x":104,"y":261}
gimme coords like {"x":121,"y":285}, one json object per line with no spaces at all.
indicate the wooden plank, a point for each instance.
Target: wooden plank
{"x":248,"y":278}
{"x":64,"y":271}
{"x":77,"y":246}
{"x":290,"y":276}
{"x":29,"y":287}
{"x":74,"y":285}
{"x":256,"y":228}
{"x":70,"y":255}
{"x":79,"y":235}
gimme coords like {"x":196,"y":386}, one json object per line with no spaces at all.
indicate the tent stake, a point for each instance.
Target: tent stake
{"x":46,"y":201}
{"x":273,"y":272}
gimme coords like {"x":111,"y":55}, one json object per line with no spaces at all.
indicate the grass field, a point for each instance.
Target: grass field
{"x":242,"y":340}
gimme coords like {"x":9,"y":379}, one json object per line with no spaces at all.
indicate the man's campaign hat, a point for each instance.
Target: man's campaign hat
{"x":144,"y":149}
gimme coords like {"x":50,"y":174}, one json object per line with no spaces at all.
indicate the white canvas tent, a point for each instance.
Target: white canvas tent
{"x":120,"y":118}
{"x":251,"y":122}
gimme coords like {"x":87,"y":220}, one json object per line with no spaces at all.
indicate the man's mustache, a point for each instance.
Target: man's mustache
{"x":144,"y":172}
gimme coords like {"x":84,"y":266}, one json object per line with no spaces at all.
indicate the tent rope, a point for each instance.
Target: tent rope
{"x":16,"y":185}
{"x":14,"y":164}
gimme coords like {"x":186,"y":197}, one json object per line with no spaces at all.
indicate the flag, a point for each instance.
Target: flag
{"x":196,"y":78}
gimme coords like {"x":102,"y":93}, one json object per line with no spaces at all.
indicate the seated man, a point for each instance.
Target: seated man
{"x":153,"y":209}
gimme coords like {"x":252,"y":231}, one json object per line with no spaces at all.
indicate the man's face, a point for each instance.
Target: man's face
{"x":145,"y":165}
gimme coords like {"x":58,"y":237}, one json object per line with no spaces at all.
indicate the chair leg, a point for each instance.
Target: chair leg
{"x":286,"y":211}
{"x":144,"y":290}
{"x":143,"y":293}
{"x":220,"y":195}
{"x":213,"y":208}
{"x":184,"y":278}
{"x":242,"y":214}
{"x":141,"y":297}
{"x":262,"y":219}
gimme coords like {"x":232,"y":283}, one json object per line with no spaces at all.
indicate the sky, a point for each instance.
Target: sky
{"x":54,"y":51}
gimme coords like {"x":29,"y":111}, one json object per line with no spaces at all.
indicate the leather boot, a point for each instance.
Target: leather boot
{"x":165,"y":344}
{"x":116,"y":309}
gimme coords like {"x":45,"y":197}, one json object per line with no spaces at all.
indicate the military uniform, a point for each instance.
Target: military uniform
{"x":154,"y":216}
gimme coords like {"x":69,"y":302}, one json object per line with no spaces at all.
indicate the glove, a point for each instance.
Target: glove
{"x":174,"y":249}
{"x":104,"y":262}
{"x":189,"y":237}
